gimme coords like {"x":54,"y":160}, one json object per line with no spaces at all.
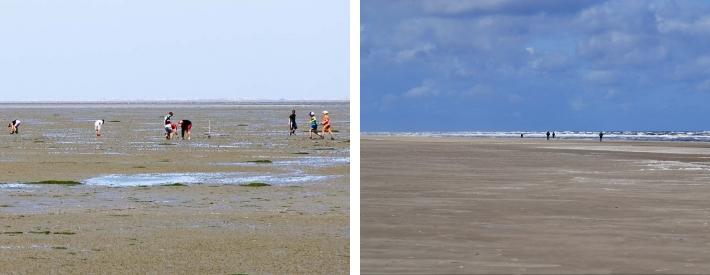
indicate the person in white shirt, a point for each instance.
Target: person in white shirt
{"x":97,"y":127}
{"x":14,"y":126}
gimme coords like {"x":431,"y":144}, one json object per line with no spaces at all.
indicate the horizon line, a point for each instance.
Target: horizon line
{"x":142,"y":101}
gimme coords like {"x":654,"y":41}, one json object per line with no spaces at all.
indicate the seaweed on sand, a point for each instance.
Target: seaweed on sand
{"x":261,"y":161}
{"x":255,"y":184}
{"x":175,"y":184}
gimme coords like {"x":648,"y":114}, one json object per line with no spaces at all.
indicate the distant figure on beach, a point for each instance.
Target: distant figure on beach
{"x":314,"y":125}
{"x":548,"y":135}
{"x":185,"y":126}
{"x":601,"y":136}
{"x":168,"y":125}
{"x":521,"y":135}
{"x":325,"y":120}
{"x":553,"y":135}
{"x":292,"y":126}
{"x":97,"y":126}
{"x":14,"y":126}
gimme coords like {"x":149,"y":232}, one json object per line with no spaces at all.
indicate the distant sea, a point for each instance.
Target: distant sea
{"x":698,"y":136}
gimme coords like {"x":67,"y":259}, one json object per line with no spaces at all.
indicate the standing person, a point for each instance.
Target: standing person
{"x":185,"y":126}
{"x":97,"y":127}
{"x":548,"y":135}
{"x":553,"y":135}
{"x":168,"y":125}
{"x":325,"y":120}
{"x":314,"y":125}
{"x":601,"y":135}
{"x":292,"y":123}
{"x":14,"y":126}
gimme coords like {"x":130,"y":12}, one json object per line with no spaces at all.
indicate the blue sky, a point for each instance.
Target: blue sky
{"x":456,"y":65}
{"x":164,"y":49}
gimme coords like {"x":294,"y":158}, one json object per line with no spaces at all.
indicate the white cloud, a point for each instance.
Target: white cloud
{"x":409,"y":54}
{"x":423,"y":90}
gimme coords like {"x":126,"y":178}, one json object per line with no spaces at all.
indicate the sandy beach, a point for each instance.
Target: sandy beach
{"x":148,"y":205}
{"x":530,"y":206}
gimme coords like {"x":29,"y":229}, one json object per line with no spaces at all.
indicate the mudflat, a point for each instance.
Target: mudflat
{"x":132,"y":202}
{"x":530,"y":206}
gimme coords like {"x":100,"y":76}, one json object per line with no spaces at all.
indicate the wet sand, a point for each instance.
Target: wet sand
{"x":528,"y":206}
{"x":122,"y":219}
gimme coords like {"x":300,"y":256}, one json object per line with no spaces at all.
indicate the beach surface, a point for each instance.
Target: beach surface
{"x":144,"y":204}
{"x":530,"y":206}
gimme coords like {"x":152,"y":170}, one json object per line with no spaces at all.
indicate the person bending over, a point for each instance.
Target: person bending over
{"x":14,"y":126}
{"x":185,"y":127}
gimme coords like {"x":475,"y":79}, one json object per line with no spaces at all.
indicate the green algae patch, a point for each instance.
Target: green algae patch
{"x":255,"y":184}
{"x":175,"y":184}
{"x":263,"y":161}
{"x":56,"y":182}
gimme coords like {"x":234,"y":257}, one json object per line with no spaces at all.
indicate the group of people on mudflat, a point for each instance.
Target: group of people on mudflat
{"x":171,"y":127}
{"x":186,"y":126}
{"x":313,"y":121}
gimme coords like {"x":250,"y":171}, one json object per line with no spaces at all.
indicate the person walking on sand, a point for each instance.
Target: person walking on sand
{"x":601,"y":136}
{"x":292,"y":127}
{"x":185,"y":127}
{"x":14,"y":126}
{"x":314,"y":125}
{"x":548,"y":135}
{"x":553,"y":135}
{"x":325,"y":120}
{"x":97,"y":127}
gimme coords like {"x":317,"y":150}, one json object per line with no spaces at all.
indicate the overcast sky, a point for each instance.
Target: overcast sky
{"x":166,"y":49}
{"x":535,"y":65}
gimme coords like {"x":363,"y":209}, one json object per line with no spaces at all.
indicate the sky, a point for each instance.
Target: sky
{"x":173,"y":50}
{"x":535,"y":65}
